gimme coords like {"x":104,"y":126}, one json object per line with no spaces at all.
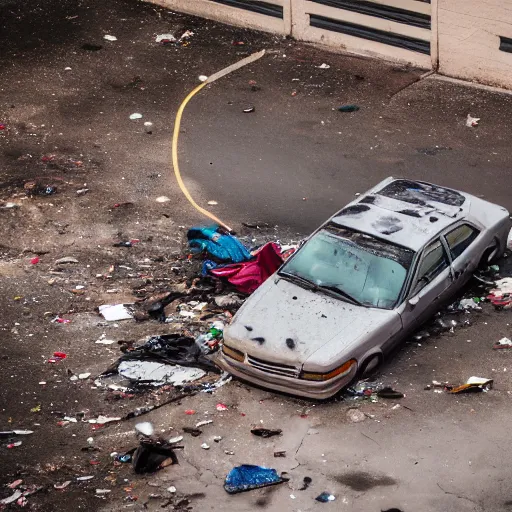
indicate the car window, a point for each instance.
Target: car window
{"x":433,"y":261}
{"x":460,"y":239}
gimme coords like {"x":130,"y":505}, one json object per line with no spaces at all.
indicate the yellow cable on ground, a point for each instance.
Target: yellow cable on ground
{"x":176,"y":133}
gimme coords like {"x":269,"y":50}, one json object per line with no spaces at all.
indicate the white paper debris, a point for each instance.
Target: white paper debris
{"x":12,"y":498}
{"x":165,"y":37}
{"x":110,"y":38}
{"x":101,"y":420}
{"x":162,"y":199}
{"x":472,"y":121}
{"x":324,"y":66}
{"x":203,"y":78}
{"x":135,"y":116}
{"x":145,"y":428}
{"x":157,"y":374}
{"x":203,"y":423}
{"x":115,"y":312}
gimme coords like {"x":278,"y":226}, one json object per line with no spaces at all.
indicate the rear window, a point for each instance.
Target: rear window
{"x":420,"y":193}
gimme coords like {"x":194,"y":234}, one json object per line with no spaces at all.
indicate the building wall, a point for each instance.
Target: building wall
{"x":469,"y":40}
{"x":460,"y":38}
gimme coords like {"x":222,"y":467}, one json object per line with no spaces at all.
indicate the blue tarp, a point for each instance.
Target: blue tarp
{"x":225,"y":248}
{"x":247,"y":477}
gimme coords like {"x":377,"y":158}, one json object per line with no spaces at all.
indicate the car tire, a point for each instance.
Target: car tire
{"x":370,"y":365}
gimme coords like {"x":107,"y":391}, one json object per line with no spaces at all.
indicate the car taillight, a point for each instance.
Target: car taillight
{"x":233,"y":353}
{"x":344,"y":369}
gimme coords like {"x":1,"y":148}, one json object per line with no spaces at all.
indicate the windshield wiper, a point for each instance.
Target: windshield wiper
{"x":337,"y":291}
{"x":299,"y":279}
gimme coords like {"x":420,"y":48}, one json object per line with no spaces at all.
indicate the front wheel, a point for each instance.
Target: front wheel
{"x":370,"y":365}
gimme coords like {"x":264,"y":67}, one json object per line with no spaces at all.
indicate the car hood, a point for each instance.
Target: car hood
{"x":285,"y":323}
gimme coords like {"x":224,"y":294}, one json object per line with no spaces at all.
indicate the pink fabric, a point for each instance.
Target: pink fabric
{"x":247,"y":276}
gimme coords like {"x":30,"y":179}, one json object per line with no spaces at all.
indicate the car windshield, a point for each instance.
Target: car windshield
{"x":355,"y":266}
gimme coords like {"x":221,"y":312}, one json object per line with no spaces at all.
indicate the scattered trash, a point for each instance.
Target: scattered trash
{"x":15,"y":444}
{"x":203,"y":423}
{"x":165,"y":38}
{"x":83,"y":376}
{"x":265,"y":432}
{"x":348,"y":108}
{"x":213,"y":203}
{"x":167,"y":359}
{"x":115,"y":312}
{"x":102,"y":492}
{"x":190,"y":412}
{"x":57,"y":356}
{"x":217,"y":439}
{"x":395,"y":407}
{"x":247,"y":477}
{"x":37,"y":408}
{"x":221,"y":407}
{"x":472,"y":121}
{"x":501,"y":296}
{"x":9,"y":433}
{"x":12,"y":498}
{"x":388,"y":392}
{"x":158,"y":374}
{"x":62,"y":485}
{"x":35,"y":260}
{"x":82,"y":191}
{"x":135,"y":116}
{"x":247,"y":276}
{"x":467,"y":304}
{"x":325,"y":497}
{"x":145,"y":428}
{"x":230,"y":300}
{"x":355,"y":415}
{"x":15,"y":484}
{"x":203,"y":78}
{"x":171,"y":489}
{"x":503,"y":343}
{"x":248,"y":110}
{"x":194,"y":432}
{"x":323,"y":66}
{"x":205,"y":446}
{"x":215,"y":244}
{"x":103,"y":420}
{"x":162,"y":199}
{"x":110,"y":38}
{"x":102,"y":340}
{"x":175,"y":440}
{"x":306,"y":483}
{"x":85,"y":478}
{"x":474,"y":384}
{"x":59,"y":320}
{"x":66,"y":261}
{"x":280,"y":453}
{"x":152,"y":456}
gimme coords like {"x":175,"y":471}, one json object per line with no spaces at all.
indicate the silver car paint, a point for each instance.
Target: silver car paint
{"x":280,"y":310}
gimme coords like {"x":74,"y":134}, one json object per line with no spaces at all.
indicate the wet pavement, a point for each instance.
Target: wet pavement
{"x":289,"y":164}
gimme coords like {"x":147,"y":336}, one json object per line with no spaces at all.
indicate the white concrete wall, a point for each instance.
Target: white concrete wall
{"x":469,"y":40}
{"x":232,"y":15}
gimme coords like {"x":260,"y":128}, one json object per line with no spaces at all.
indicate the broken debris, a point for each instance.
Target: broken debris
{"x":246,"y":477}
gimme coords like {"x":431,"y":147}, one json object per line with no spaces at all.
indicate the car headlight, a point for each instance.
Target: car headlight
{"x":233,"y":353}
{"x":342,"y":370}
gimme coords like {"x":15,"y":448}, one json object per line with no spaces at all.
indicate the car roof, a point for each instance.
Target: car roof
{"x":404,"y":212}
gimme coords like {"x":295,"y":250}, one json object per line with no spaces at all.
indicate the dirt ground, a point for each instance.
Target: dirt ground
{"x":287,"y":166}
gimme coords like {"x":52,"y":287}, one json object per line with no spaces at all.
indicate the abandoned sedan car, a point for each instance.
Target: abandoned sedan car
{"x":368,"y":277}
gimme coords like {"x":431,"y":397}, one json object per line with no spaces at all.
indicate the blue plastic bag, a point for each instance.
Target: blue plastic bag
{"x":247,"y":477}
{"x":225,"y":248}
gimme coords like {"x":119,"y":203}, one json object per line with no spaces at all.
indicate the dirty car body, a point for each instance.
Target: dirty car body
{"x":363,"y":281}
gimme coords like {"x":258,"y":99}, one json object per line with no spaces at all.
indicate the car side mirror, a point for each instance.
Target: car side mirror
{"x":413,"y":301}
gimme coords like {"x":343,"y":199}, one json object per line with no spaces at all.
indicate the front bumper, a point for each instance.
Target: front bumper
{"x":306,"y":388}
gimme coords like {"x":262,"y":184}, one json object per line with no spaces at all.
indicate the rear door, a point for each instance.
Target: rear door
{"x":464,"y":251}
{"x":430,"y":285}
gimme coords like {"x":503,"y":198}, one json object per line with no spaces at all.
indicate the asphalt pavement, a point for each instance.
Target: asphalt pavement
{"x":66,"y":94}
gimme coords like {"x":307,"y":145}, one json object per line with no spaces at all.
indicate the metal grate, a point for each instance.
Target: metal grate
{"x":257,"y":6}
{"x":386,"y":12}
{"x":372,"y":34}
{"x":276,"y":369}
